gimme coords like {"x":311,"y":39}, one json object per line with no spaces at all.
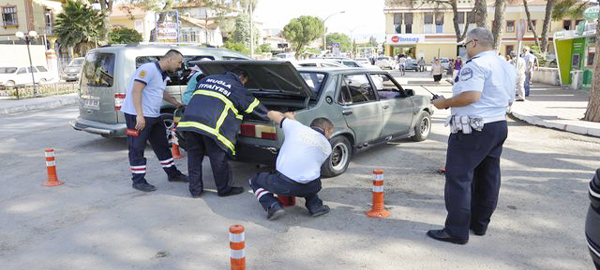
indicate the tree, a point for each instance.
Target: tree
{"x":80,"y":26}
{"x":499,"y":8}
{"x":530,"y":23}
{"x":242,"y":31}
{"x":593,"y":109}
{"x":265,"y":48}
{"x":569,"y":8}
{"x":480,"y":13}
{"x":342,"y":39}
{"x":546,"y":26}
{"x":303,"y":30}
{"x":123,"y":35}
{"x":373,"y":41}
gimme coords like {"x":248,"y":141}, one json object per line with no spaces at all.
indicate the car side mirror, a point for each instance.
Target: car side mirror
{"x":409,"y":92}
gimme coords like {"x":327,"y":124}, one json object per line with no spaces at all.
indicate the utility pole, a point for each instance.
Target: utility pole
{"x":251,"y":30}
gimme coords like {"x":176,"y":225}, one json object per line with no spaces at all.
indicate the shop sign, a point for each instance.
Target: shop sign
{"x":405,"y":39}
{"x":591,"y":13}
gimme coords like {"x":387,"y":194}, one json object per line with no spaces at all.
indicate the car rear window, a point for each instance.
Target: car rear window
{"x":7,"y":70}
{"x":41,"y":68}
{"x":180,"y":77}
{"x":99,"y":69}
{"x":314,"y":80}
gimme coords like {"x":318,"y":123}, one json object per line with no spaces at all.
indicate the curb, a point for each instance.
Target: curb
{"x":562,"y":125}
{"x":40,"y":106}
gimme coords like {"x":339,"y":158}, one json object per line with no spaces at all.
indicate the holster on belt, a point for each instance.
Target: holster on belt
{"x":464,"y":123}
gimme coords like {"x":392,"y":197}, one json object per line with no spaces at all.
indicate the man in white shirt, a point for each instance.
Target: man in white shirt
{"x":520,"y":65}
{"x":530,"y":65}
{"x":298,"y":166}
{"x":402,"y":61}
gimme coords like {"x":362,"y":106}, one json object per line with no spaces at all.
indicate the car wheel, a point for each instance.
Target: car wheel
{"x":167,"y":118}
{"x":339,"y":160}
{"x":422,"y":128}
{"x":10,"y":84}
{"x":42,"y":81}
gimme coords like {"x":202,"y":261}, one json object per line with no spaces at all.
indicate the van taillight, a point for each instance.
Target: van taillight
{"x":119,"y":99}
{"x":258,"y":131}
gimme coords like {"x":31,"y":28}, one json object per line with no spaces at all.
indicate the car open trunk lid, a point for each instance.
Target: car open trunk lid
{"x":265,"y":76}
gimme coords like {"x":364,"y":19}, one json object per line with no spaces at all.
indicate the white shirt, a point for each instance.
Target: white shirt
{"x":402,"y":61}
{"x":529,"y":61}
{"x":152,"y":76}
{"x":495,"y":79}
{"x":520,"y":65}
{"x":303,"y":152}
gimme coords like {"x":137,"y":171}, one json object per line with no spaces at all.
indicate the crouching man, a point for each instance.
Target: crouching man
{"x":298,"y":166}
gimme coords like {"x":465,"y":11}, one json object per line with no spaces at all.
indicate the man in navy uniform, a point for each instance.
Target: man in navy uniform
{"x":210,"y":125}
{"x":483,"y":90}
{"x":298,"y":166}
{"x":142,"y":103}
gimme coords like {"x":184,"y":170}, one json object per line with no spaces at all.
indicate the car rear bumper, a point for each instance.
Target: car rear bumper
{"x":104,"y":129}
{"x":256,"y":154}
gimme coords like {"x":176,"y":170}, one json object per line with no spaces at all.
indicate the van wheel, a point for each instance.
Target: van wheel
{"x":422,"y":128}
{"x":339,"y":160}
{"x":10,"y":84}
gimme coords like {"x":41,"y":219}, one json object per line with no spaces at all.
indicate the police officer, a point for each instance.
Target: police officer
{"x":142,"y":103}
{"x":483,"y":90}
{"x":210,"y":124}
{"x":298,"y":167}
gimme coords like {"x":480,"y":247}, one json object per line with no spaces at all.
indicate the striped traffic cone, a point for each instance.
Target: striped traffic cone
{"x":378,"y":208}
{"x":237,"y":244}
{"x":51,"y":167}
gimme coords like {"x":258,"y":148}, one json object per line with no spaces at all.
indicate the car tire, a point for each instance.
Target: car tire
{"x":10,"y":84}
{"x":42,"y":81}
{"x":422,"y":127}
{"x":338,"y":161}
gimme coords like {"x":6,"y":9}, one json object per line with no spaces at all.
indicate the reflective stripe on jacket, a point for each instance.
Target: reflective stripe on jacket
{"x":217,"y":108}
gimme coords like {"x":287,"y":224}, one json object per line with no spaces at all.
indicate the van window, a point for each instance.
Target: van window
{"x":99,"y":69}
{"x":41,"y":68}
{"x":22,"y":71}
{"x":180,"y":77}
{"x":7,"y":70}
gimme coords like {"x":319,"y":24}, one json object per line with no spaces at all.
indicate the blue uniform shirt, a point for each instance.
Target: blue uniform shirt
{"x":191,"y":87}
{"x":153,"y":77}
{"x":494,"y":78}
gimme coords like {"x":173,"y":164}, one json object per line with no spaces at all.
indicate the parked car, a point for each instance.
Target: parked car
{"x":354,"y":64}
{"x":445,"y":62}
{"x":105,"y":76}
{"x":386,"y":62}
{"x":592,"y":223}
{"x":18,"y":76}
{"x":366,"y":107}
{"x":318,"y":63}
{"x":73,"y":70}
{"x":411,"y":64}
{"x":363,"y":61}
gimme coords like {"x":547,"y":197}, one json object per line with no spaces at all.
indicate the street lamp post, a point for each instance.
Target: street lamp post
{"x":325,"y":29}
{"x":352,"y":37}
{"x":28,"y":38}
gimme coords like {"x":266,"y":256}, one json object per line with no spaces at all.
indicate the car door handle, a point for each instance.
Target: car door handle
{"x":386,"y":106}
{"x":347,"y":112}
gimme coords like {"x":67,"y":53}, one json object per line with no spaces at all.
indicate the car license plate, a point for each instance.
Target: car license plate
{"x":92,"y":103}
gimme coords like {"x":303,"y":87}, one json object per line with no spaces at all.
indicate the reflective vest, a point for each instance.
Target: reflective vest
{"x":217,"y":108}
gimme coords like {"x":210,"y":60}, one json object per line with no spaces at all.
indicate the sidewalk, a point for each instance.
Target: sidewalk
{"x":553,"y":107}
{"x":9,"y":106}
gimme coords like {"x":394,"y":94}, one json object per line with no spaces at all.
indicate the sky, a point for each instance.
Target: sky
{"x":365,"y":17}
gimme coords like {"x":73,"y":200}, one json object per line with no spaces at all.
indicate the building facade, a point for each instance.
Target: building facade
{"x":132,"y":17}
{"x":29,"y":15}
{"x":427,"y":30}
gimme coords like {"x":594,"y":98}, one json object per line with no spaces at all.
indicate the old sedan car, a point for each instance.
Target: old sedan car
{"x":386,"y":62}
{"x":366,"y":107}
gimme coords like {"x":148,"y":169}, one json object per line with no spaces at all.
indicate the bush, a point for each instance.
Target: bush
{"x":122,"y":35}
{"x":237,"y":46}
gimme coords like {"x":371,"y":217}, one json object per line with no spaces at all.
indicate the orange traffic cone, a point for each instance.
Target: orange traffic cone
{"x":286,"y":200}
{"x":378,"y":209}
{"x":175,"y":146}
{"x":237,"y":244}
{"x":51,"y":167}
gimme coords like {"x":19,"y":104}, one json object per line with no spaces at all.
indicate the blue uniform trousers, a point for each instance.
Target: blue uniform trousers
{"x":473,"y":178}
{"x":155,"y":132}
{"x":199,"y":146}
{"x":266,"y":184}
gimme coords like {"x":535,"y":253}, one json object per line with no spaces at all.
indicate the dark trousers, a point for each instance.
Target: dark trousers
{"x":473,"y":178}
{"x":266,"y":184}
{"x":199,"y":146}
{"x":155,"y":132}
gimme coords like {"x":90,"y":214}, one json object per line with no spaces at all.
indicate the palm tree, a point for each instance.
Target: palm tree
{"x":80,"y":26}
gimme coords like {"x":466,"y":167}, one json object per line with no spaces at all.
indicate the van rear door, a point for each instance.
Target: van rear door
{"x":97,"y":101}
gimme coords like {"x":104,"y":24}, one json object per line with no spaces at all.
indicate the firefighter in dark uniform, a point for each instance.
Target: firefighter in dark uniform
{"x":211,"y":123}
{"x":482,"y":91}
{"x":298,"y":166}
{"x":142,"y":115}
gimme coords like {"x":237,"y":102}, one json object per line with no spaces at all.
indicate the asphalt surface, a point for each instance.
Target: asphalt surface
{"x":97,"y":221}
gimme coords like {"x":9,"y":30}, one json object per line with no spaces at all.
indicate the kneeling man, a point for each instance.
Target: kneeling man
{"x":298,"y":166}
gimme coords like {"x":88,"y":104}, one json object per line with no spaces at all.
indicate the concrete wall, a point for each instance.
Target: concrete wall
{"x":546,"y":76}
{"x":16,"y":55}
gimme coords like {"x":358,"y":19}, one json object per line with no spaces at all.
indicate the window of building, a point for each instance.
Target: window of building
{"x":193,"y":36}
{"x":509,"y":49}
{"x":48,"y":18}
{"x":398,"y":23}
{"x":591,"y":55}
{"x":439,"y":22}
{"x":139,"y":26}
{"x":577,"y":23}
{"x":510,"y":26}
{"x":534,"y":25}
{"x":460,"y":17}
{"x":428,"y":21}
{"x":9,"y":16}
{"x":408,"y":21}
{"x":567,"y":25}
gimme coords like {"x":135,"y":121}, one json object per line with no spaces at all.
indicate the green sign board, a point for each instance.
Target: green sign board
{"x":591,"y":12}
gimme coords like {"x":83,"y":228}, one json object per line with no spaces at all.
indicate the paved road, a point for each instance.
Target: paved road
{"x":97,"y":221}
